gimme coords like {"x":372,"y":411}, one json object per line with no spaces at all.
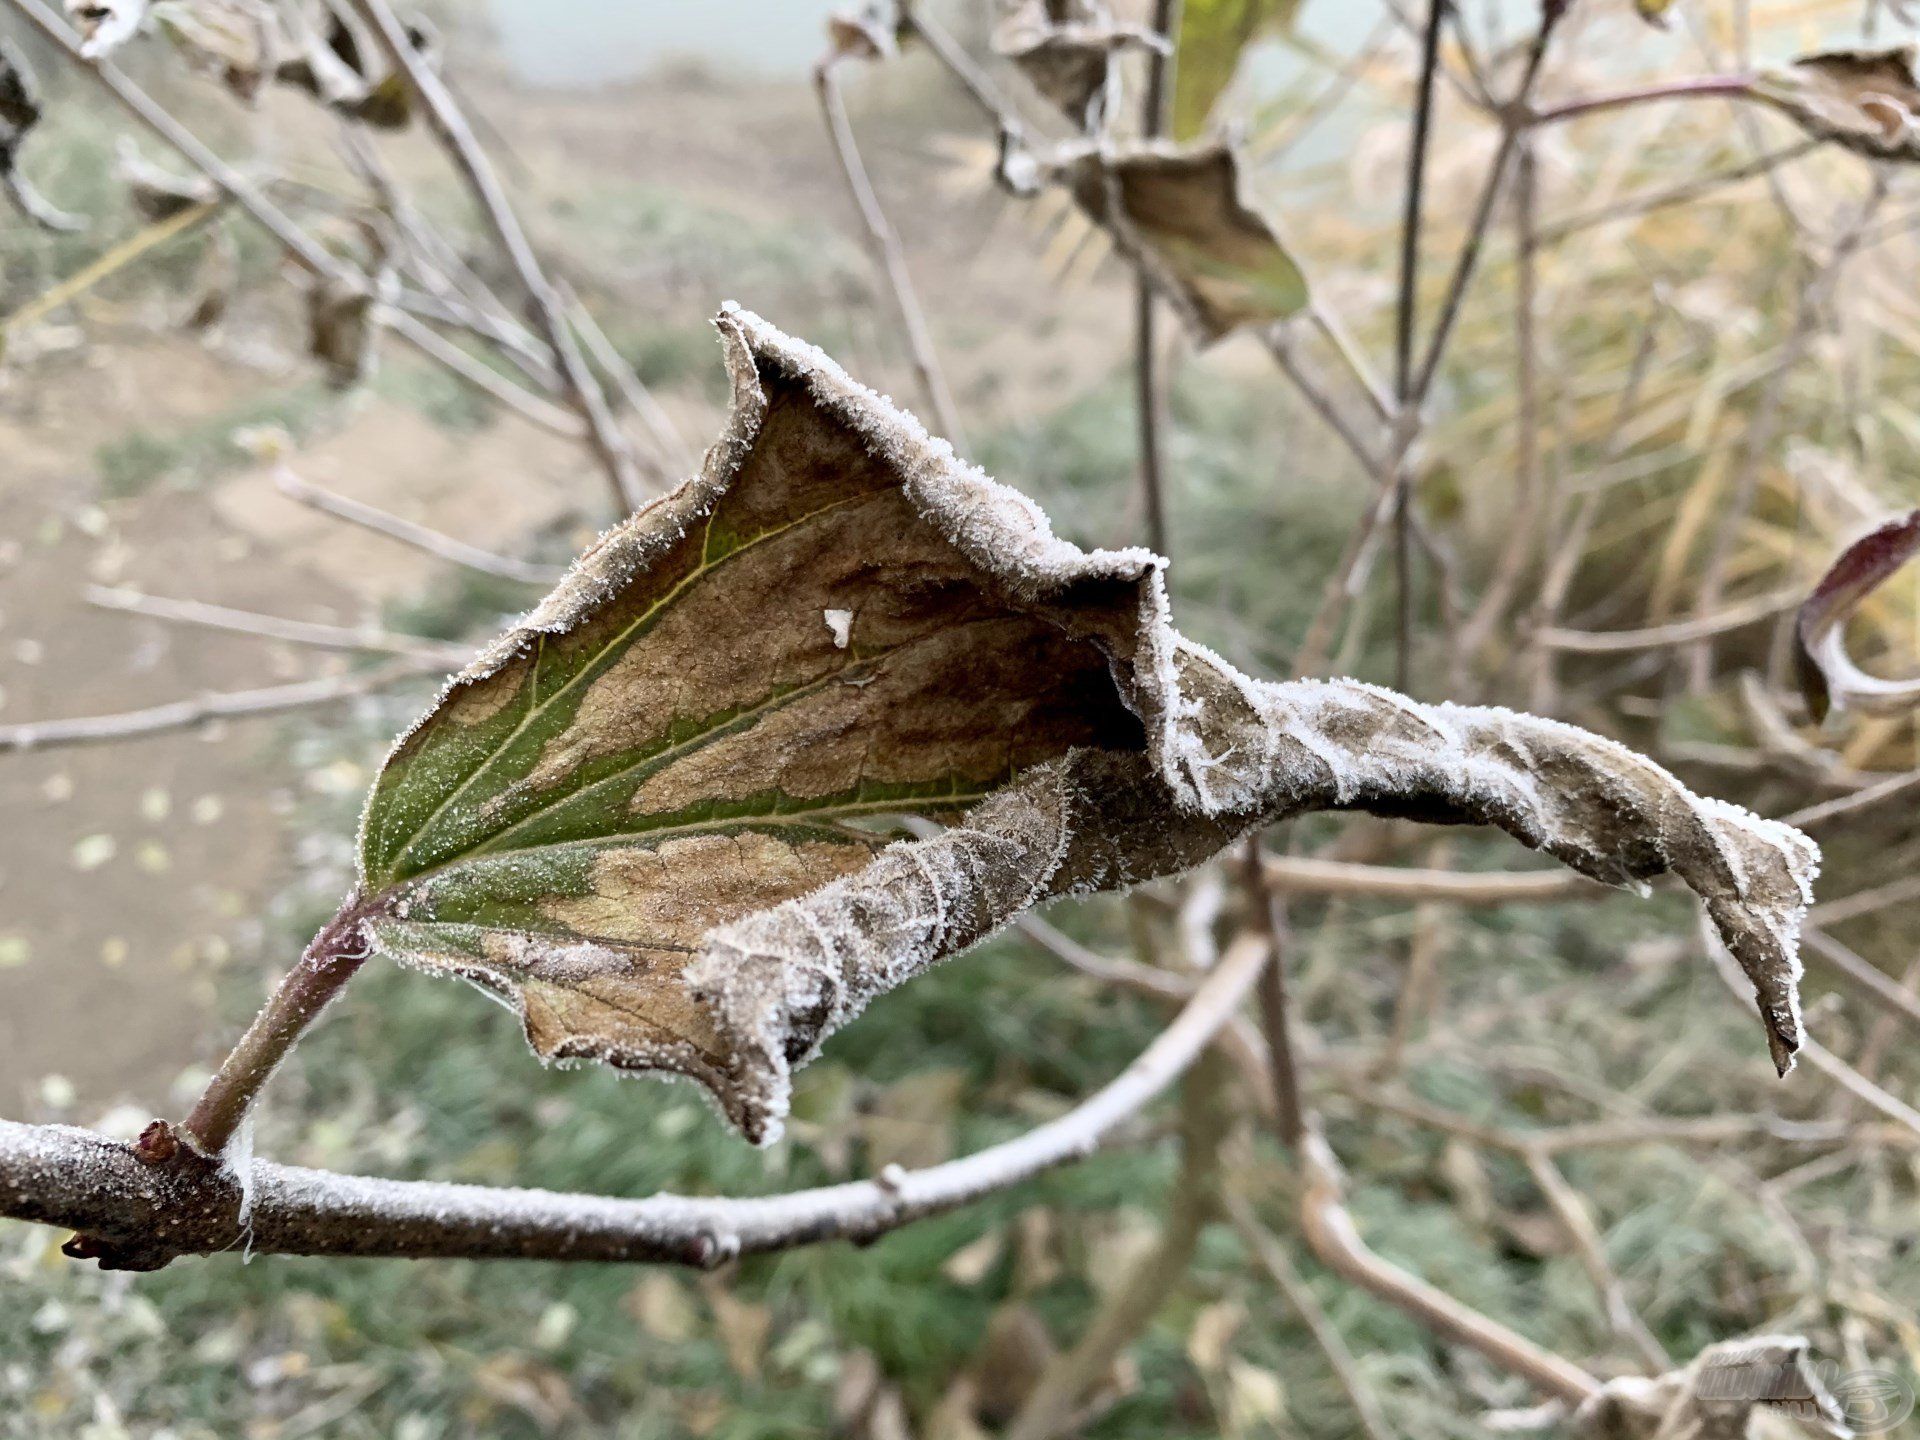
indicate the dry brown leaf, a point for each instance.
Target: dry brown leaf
{"x":20,"y":111}
{"x":1864,"y":100}
{"x":1177,"y":214}
{"x":1065,"y":48}
{"x":1725,"y":1394}
{"x":644,"y":817}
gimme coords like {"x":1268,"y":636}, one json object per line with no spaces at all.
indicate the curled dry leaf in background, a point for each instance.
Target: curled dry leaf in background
{"x":157,"y":193}
{"x":237,"y":41}
{"x":1828,"y":677}
{"x":20,"y":111}
{"x":645,"y":816}
{"x":1864,"y":100}
{"x":332,"y":58}
{"x":1214,"y":34}
{"x":1177,"y":213}
{"x":106,"y":25}
{"x":1655,"y":12}
{"x":864,"y":32}
{"x":1737,"y":1390}
{"x":1064,"y":48}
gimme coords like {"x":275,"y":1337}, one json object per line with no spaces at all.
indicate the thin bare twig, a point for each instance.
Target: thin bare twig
{"x":362,"y":639}
{"x":884,"y":245}
{"x":220,"y":705}
{"x":1273,"y":1259}
{"x":1149,"y":392}
{"x":420,"y":537}
{"x":1336,"y":1242}
{"x":450,"y":125}
{"x":1314,"y":876}
{"x":1133,"y":1302}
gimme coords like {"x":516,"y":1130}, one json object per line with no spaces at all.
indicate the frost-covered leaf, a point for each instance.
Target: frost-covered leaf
{"x":1736,"y":1390}
{"x":1214,"y":34}
{"x":1065,"y":49}
{"x":1828,"y":677}
{"x":20,"y":111}
{"x":1864,"y":100}
{"x":645,"y":818}
{"x":106,"y":25}
{"x":1177,"y":214}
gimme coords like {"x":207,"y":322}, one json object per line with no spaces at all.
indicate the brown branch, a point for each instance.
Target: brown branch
{"x":449,"y":124}
{"x":1134,"y":1301}
{"x":145,"y":1214}
{"x":1337,"y":1244}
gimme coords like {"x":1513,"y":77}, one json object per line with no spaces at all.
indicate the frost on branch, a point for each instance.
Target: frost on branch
{"x":648,"y":818}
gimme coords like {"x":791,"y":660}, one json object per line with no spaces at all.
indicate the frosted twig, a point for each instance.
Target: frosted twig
{"x":82,"y":1181}
{"x":420,"y":537}
{"x":449,"y":124}
{"x":275,"y":627}
{"x":219,"y":705}
{"x":1149,"y":390}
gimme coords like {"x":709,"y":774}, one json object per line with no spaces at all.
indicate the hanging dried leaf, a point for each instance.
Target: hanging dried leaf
{"x":1657,"y":13}
{"x":870,"y":31}
{"x":1066,"y":50}
{"x":106,"y":25}
{"x":1214,"y":34}
{"x":159,"y":194}
{"x":335,"y":61}
{"x":1177,"y":214}
{"x":1717,"y":1397}
{"x":20,"y":111}
{"x":344,"y":313}
{"x":1828,"y":676}
{"x":236,"y":41}
{"x":1864,"y":100}
{"x":645,"y":817}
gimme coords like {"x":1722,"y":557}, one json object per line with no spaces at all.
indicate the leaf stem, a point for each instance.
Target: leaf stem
{"x":331,"y":959}
{"x":1149,"y":391}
